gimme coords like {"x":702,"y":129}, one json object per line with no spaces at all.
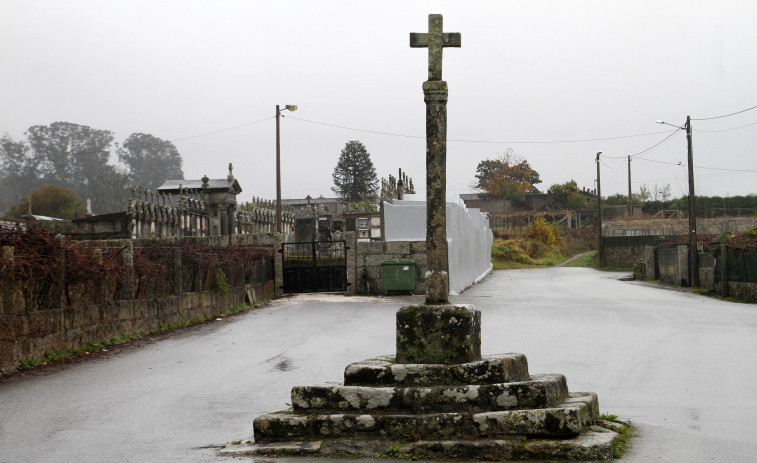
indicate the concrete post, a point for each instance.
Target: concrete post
{"x":8,"y":280}
{"x":127,"y":290}
{"x":278,"y":265}
{"x":101,"y":286}
{"x":177,"y":272}
{"x":57,"y":291}
{"x":724,"y":270}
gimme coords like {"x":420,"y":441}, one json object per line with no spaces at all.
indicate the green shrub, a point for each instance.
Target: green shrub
{"x":544,"y":231}
{"x":221,"y":282}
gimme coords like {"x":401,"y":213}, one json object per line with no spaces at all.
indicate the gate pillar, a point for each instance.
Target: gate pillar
{"x":350,"y":241}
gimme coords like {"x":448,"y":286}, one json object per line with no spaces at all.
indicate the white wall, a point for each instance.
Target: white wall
{"x":469,"y":239}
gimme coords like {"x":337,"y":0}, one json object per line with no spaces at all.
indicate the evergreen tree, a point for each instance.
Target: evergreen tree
{"x":354,"y":175}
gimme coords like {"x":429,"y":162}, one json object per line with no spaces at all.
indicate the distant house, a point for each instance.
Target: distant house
{"x":492,"y":206}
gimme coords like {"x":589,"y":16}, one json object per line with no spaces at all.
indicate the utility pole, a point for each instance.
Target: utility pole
{"x":600,"y":245}
{"x":289,"y":107}
{"x":278,"y":171}
{"x":694,"y":276}
{"x":630,"y":203}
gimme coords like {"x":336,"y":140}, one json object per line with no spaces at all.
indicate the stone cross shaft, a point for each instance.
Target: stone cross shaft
{"x":435,"y":96}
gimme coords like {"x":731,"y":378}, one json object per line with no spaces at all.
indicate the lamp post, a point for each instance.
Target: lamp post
{"x":278,"y":164}
{"x":694,"y":268}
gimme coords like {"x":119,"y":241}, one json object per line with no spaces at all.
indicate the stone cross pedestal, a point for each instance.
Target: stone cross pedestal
{"x":438,"y":398}
{"x":435,"y":95}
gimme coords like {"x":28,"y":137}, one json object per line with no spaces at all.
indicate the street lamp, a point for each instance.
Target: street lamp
{"x":694,"y":275}
{"x":289,"y":107}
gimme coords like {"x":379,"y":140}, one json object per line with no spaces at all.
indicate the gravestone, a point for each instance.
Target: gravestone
{"x":438,"y":398}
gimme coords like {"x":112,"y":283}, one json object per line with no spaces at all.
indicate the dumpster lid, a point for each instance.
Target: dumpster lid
{"x":399,"y":261}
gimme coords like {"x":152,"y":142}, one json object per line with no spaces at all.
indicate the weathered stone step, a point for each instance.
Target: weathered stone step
{"x":491,"y":369}
{"x":541,"y":391}
{"x":568,"y":418}
{"x":593,"y":445}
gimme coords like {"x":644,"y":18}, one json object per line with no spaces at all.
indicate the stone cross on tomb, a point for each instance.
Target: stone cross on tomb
{"x":435,"y":95}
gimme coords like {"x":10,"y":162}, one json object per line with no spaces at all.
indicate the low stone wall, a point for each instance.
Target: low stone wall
{"x":740,"y":290}
{"x":670,"y":263}
{"x":625,"y":251}
{"x":68,"y":316}
{"x":370,"y":256}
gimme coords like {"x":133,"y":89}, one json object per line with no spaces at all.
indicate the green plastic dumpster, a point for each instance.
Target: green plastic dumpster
{"x":399,"y":274}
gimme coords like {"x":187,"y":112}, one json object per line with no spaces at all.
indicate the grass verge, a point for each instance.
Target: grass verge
{"x":542,"y":246}
{"x":589,"y":259}
{"x":624,"y":430}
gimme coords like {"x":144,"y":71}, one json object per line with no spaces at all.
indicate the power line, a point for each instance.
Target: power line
{"x":673,"y":133}
{"x":728,"y":130}
{"x":222,"y":130}
{"x":699,"y":167}
{"x":724,"y":115}
{"x":357,"y":130}
{"x":460,"y":140}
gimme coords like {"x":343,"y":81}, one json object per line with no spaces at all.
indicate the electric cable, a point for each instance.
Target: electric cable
{"x":699,"y":167}
{"x":728,"y":130}
{"x":724,"y":115}
{"x":222,"y":130}
{"x":461,"y":140}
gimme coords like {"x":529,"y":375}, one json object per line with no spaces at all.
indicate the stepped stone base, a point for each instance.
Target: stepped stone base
{"x":383,"y":371}
{"x":593,"y":445}
{"x":540,"y":392}
{"x":438,"y":399}
{"x":567,"y":418}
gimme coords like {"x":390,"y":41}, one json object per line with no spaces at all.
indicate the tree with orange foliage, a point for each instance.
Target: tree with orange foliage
{"x":508,"y":176}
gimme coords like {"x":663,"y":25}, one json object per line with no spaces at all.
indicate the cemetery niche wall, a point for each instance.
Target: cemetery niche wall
{"x":178,"y":208}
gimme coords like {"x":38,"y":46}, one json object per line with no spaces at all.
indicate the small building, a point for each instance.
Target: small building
{"x":490,"y":205}
{"x":220,"y":194}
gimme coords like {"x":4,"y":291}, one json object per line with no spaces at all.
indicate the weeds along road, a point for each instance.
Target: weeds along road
{"x":682,"y":367}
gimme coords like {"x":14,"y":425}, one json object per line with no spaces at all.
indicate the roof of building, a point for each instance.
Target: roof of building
{"x":225,"y":184}
{"x":295,"y":202}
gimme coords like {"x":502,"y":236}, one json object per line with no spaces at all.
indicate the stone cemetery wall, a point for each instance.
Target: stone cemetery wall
{"x":115,"y":225}
{"x":60,"y":295}
{"x":371,"y":254}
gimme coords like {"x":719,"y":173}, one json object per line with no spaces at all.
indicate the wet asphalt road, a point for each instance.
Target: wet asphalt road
{"x":682,"y":367}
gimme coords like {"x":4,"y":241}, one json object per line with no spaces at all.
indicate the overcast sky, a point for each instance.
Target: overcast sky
{"x":529,"y":74}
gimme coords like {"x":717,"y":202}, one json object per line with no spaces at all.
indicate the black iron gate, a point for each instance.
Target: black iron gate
{"x":311,"y":267}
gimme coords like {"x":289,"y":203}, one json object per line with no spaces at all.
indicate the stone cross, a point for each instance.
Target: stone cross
{"x":435,"y":40}
{"x":435,"y":96}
